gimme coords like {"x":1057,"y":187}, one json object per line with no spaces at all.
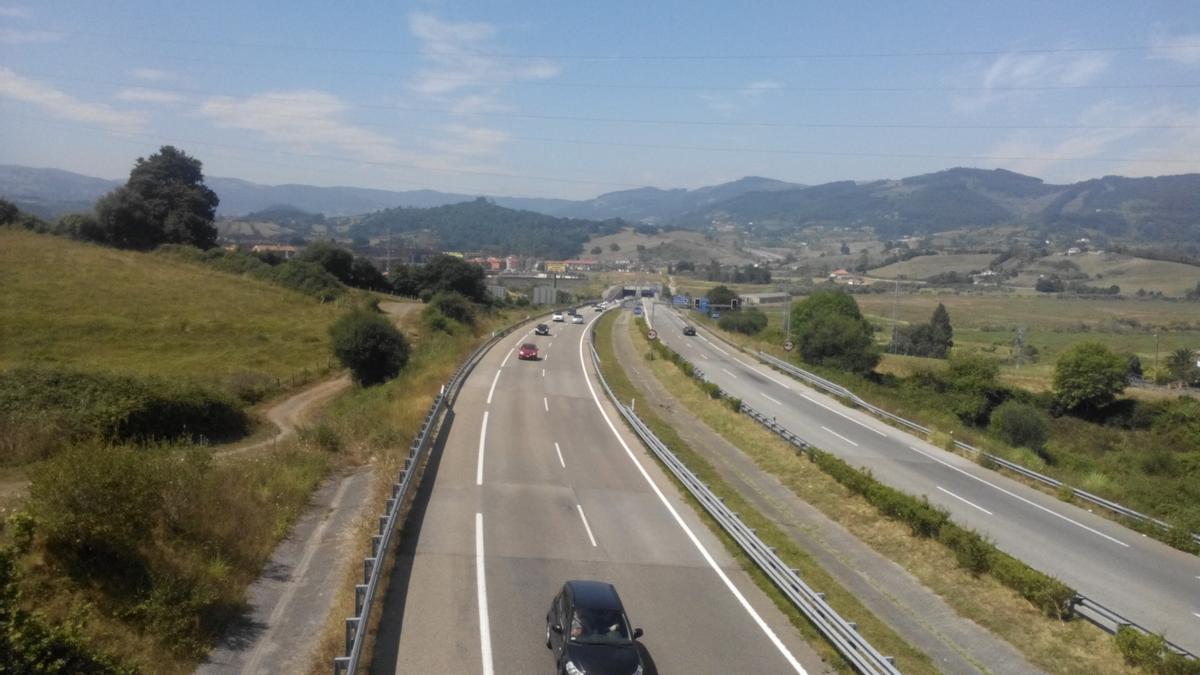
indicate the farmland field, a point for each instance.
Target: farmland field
{"x":925,"y":266}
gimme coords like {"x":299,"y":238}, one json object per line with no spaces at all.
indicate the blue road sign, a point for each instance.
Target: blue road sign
{"x":704,"y":305}
{"x":637,"y":310}
{"x":681,"y":300}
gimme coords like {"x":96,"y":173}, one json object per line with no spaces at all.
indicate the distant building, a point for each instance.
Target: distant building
{"x":512,"y":263}
{"x":839,"y":274}
{"x":764,"y":298}
{"x":579,"y":265}
{"x":1074,"y":250}
{"x":498,"y":292}
{"x":282,"y":250}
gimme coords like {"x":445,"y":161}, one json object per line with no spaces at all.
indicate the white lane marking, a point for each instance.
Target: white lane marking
{"x":543,"y":372}
{"x":548,"y":344}
{"x":714,"y":346}
{"x":705,"y":356}
{"x":729,"y":373}
{"x":840,"y":436}
{"x":510,"y":352}
{"x":546,"y":403}
{"x":482,"y":443}
{"x":1017,"y":496}
{"x":967,"y":502}
{"x":744,"y":363}
{"x":1196,"y":614}
{"x":285,"y":601}
{"x":843,"y":415}
{"x":493,"y":389}
{"x":485,"y":629}
{"x":778,"y":382}
{"x":686,"y":530}
{"x":771,"y":399}
{"x":585,"y":525}
{"x":560,"y":457}
{"x":546,"y":357}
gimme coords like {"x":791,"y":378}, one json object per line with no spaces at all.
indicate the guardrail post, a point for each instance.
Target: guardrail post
{"x":351,"y":631}
{"x":376,"y":539}
{"x":340,"y":664}
{"x":360,"y":592}
{"x":368,"y":565}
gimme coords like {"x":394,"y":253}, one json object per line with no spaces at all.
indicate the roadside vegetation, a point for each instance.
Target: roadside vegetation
{"x":881,"y":636}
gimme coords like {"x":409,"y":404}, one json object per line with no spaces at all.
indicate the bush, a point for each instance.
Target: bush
{"x":84,"y":405}
{"x":747,"y":321}
{"x":454,"y":306}
{"x":1020,"y":424}
{"x":306,"y":277}
{"x":1149,"y":652}
{"x":1089,"y":375}
{"x":370,"y":346}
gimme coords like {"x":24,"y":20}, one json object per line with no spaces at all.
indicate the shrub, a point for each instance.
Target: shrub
{"x":454,"y":306}
{"x":748,"y":321}
{"x":249,"y":387}
{"x":734,"y":403}
{"x":370,"y":346}
{"x":1089,"y":375}
{"x":1020,"y":424}
{"x":307,"y":277}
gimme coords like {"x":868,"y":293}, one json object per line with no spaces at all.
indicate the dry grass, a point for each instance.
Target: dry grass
{"x":1058,"y":647}
{"x":925,"y":266}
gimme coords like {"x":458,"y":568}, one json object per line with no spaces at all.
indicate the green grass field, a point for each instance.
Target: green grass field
{"x":86,"y":306}
{"x":1131,"y":274}
{"x":926,"y":266}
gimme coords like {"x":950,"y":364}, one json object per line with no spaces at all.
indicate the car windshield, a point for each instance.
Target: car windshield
{"x":529,"y":347}
{"x":599,"y":626}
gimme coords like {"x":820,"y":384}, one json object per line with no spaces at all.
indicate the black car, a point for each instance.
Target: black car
{"x":542,"y":329}
{"x":688,"y":330}
{"x":588,"y":631}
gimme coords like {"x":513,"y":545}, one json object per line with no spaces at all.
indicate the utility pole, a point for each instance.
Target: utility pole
{"x":895,"y":302}
{"x":1156,"y":354}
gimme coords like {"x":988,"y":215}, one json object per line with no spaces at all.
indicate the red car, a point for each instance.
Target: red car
{"x":528,"y":352}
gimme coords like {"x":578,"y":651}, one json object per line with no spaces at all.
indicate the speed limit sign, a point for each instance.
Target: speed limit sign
{"x":652,"y":334}
{"x":788,"y":346}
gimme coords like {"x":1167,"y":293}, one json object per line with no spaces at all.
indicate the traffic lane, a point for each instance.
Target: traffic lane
{"x":1159,"y":594}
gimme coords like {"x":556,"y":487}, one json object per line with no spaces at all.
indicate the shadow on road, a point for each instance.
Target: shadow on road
{"x":387,"y":640}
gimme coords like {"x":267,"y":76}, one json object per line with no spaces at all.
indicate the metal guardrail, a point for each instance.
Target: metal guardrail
{"x":1083,"y":495}
{"x":364,"y":593}
{"x":841,"y":633}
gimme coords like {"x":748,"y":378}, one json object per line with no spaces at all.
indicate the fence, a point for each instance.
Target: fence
{"x":364,"y":593}
{"x":842,"y":634}
{"x":838,"y":390}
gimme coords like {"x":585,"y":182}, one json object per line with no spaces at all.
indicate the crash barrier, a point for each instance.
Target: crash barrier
{"x":842,"y":634}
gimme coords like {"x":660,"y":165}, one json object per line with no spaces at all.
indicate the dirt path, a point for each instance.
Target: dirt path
{"x":288,"y":414}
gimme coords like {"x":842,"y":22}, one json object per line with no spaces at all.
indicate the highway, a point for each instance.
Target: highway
{"x":537,"y":482}
{"x":1144,"y":580}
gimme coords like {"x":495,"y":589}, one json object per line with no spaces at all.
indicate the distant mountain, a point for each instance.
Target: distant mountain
{"x":1165,"y":208}
{"x":481,"y":225}
{"x":50,"y":193}
{"x":657,"y":206}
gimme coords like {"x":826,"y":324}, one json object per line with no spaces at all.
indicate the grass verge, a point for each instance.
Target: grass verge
{"x":882,"y":637}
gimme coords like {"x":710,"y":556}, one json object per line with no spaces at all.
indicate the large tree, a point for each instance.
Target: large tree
{"x":830,"y":330}
{"x":1089,"y":375}
{"x":164,"y":201}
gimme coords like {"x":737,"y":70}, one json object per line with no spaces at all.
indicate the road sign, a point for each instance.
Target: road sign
{"x":704,"y":305}
{"x":680,"y":300}
{"x":788,"y":346}
{"x":637,"y":310}
{"x":652,"y":334}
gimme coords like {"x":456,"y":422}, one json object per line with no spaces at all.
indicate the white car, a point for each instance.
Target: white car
{"x":576,"y":318}
{"x":558,"y":316}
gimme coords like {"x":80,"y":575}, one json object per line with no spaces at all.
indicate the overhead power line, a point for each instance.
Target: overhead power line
{"x":291,"y":46}
{"x":630,"y":120}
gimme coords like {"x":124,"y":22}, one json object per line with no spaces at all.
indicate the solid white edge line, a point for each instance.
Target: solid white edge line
{"x":546,"y":403}
{"x":1196,"y":614}
{"x":485,"y":629}
{"x":1017,"y":496}
{"x":510,"y":353}
{"x":770,"y":399}
{"x":965,"y":501}
{"x":840,"y":436}
{"x":787,"y":654}
{"x":482,"y":444}
{"x":585,"y":525}
{"x":844,"y":415}
{"x":560,"y":457}
{"x":729,"y":373}
{"x":493,"y":389}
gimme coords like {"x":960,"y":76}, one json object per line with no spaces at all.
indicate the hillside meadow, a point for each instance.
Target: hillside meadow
{"x":67,"y":303}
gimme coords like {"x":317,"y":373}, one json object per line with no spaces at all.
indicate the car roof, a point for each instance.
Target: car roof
{"x":594,"y":594}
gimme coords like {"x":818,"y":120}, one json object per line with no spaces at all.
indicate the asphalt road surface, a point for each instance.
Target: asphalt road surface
{"x":1142,"y":579}
{"x":537,"y":482}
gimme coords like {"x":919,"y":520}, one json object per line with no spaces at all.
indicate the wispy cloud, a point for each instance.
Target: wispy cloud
{"x":144,"y":95}
{"x":152,"y":74}
{"x":466,"y":141}
{"x":308,"y":119}
{"x":1003,"y":78}
{"x":14,"y":11}
{"x":62,"y":105}
{"x":1155,"y":141}
{"x":13,"y":36}
{"x":728,"y":103}
{"x":1181,"y":49}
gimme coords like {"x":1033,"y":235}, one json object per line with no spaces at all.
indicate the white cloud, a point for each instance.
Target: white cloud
{"x":760,"y":87}
{"x":143,"y":95}
{"x":307,"y":119}
{"x":12,"y":36}
{"x":63,"y":105}
{"x":727,"y":104}
{"x":152,"y":74}
{"x":1181,"y":49}
{"x":1014,"y":71}
{"x":14,"y":12}
{"x":1156,"y":141}
{"x":468,"y":141}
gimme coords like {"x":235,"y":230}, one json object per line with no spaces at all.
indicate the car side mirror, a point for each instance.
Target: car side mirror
{"x":637,"y":633}
{"x":557,"y":628}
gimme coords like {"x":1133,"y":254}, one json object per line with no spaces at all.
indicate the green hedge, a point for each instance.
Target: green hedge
{"x":120,"y":408}
{"x":1149,"y":652}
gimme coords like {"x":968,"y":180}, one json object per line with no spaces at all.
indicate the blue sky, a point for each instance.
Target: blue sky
{"x":566,"y":99}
